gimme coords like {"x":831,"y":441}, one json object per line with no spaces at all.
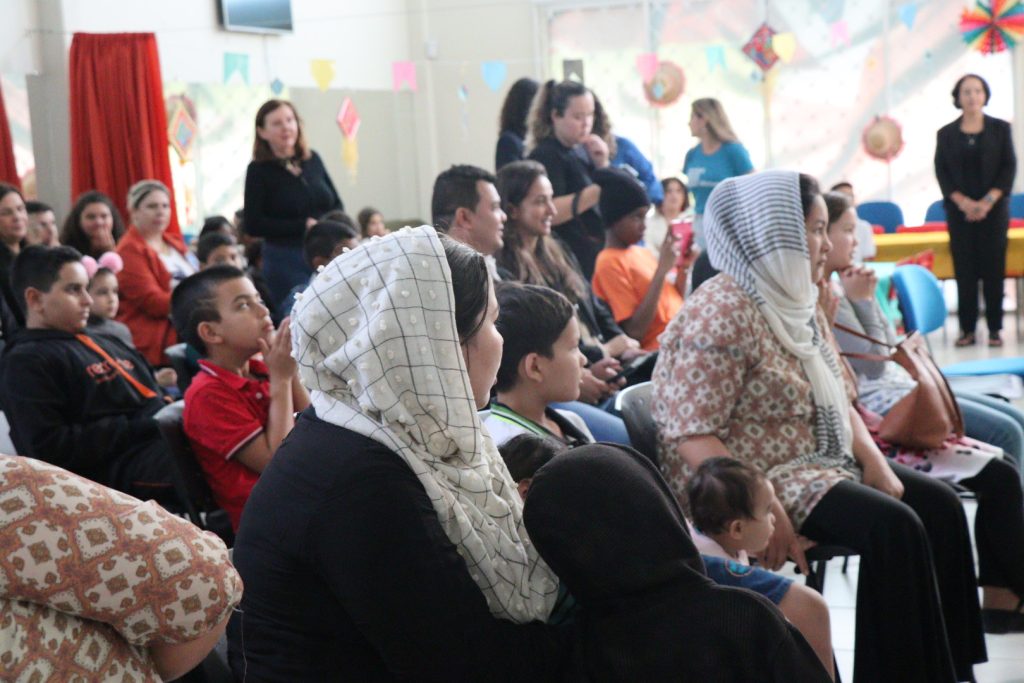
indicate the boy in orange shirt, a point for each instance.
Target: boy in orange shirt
{"x":634,"y":283}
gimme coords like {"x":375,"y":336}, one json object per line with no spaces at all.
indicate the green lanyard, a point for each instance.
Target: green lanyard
{"x":508,"y":415}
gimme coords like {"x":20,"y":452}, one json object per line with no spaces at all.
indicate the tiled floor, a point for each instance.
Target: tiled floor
{"x":1006,"y":653}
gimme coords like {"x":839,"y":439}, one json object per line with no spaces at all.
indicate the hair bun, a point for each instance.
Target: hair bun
{"x":112,"y":261}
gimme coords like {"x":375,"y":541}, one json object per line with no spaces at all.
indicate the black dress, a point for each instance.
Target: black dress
{"x":350,"y":577}
{"x":606,"y":523}
{"x":974,"y":164}
{"x":277,"y":205}
{"x":569,"y":170}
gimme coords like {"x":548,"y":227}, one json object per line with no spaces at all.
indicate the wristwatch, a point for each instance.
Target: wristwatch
{"x":989,"y":198}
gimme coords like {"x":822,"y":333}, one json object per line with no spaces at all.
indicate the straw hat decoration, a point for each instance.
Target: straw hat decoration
{"x":883,"y":138}
{"x":666,"y":86}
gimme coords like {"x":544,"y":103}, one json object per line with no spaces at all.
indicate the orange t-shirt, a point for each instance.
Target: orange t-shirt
{"x":622,"y":278}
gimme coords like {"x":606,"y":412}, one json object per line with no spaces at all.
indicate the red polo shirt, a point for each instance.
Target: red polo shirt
{"x":223,"y":413}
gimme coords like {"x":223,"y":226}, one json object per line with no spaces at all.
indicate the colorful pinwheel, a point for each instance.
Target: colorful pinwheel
{"x":993,"y":26}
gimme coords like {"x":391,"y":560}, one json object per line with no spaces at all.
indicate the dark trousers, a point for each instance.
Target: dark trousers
{"x":146,"y":473}
{"x":999,"y":526}
{"x":918,"y":617}
{"x":979,"y":253}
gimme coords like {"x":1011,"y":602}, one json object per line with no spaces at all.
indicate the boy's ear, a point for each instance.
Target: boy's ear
{"x":735,"y":529}
{"x":530,"y":367}
{"x":33,"y":298}
{"x":208,"y":334}
{"x":523,"y":486}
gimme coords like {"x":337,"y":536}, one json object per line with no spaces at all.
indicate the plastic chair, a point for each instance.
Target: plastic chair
{"x":887,"y":214}
{"x":189,"y":479}
{"x":635,"y":405}
{"x":924,"y":310}
{"x":1017,"y":205}
{"x":936,"y":213}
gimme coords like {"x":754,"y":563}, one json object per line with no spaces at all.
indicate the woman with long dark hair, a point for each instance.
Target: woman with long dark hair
{"x":94,"y":225}
{"x":287,"y":189}
{"x":512,"y":124}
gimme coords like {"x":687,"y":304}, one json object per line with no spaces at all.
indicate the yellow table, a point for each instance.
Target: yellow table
{"x":897,"y":246}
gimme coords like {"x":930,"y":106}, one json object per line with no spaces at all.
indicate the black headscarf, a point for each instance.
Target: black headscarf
{"x":607,"y":524}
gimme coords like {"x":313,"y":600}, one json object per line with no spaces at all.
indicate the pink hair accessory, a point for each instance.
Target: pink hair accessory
{"x":110,"y":260}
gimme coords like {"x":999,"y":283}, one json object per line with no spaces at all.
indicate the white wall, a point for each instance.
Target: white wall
{"x":363,"y":37}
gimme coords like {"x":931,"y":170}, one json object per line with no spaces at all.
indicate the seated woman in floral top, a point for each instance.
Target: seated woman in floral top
{"x":746,"y":370}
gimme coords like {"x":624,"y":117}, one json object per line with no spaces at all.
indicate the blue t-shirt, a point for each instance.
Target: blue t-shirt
{"x":705,"y":171}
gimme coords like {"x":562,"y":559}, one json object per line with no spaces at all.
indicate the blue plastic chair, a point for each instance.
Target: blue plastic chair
{"x":936,"y":213}
{"x":1017,"y":205}
{"x":924,"y":310}
{"x":887,"y":214}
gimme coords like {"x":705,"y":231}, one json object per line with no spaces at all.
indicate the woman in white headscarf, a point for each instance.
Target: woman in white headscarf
{"x":385,"y":540}
{"x":746,"y":370}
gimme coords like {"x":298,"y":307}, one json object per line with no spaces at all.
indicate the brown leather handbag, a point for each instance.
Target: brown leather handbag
{"x":929,"y":414}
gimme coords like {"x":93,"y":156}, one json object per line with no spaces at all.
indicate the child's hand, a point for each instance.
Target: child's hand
{"x":166,"y":377}
{"x":668,"y":255}
{"x":277,"y":353}
{"x":859,"y":282}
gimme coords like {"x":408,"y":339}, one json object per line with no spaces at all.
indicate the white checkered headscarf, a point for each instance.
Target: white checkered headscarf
{"x":377,"y":346}
{"x":756,"y":233}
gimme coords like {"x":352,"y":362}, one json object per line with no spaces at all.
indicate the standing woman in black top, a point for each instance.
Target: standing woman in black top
{"x":286,"y":189}
{"x":975,"y":165}
{"x":561,"y":130}
{"x":512,"y":124}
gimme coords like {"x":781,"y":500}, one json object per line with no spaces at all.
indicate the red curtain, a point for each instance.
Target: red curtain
{"x":8,"y":171}
{"x":118,"y":119}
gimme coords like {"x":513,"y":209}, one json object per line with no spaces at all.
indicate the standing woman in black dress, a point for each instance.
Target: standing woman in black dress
{"x":286,"y":190}
{"x":975,"y":165}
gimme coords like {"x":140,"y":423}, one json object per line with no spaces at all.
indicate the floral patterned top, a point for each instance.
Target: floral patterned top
{"x":722,"y":372}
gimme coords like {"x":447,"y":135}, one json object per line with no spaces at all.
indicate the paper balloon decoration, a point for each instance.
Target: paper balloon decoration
{"x":883,"y":138}
{"x":993,"y":26}
{"x":666,"y":85}
{"x":759,"y":47}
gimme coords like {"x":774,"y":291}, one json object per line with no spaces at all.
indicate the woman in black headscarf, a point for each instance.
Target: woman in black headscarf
{"x":606,"y":522}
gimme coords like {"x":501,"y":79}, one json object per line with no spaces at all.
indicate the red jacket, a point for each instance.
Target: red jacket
{"x":146,"y":295}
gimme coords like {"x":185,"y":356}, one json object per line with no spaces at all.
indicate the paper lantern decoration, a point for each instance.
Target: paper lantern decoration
{"x":666,"y":85}
{"x":759,"y":47}
{"x":883,"y":138}
{"x":993,"y":26}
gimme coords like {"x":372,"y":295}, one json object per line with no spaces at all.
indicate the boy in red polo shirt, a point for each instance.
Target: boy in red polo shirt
{"x":237,"y":409}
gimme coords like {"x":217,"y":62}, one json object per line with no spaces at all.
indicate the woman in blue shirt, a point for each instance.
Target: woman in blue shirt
{"x":718,"y":156}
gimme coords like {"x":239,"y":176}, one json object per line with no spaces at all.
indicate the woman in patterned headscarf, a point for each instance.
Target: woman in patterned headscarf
{"x":746,"y":370}
{"x":385,"y":540}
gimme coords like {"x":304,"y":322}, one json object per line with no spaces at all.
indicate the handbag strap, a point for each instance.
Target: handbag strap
{"x":861,"y":335}
{"x":876,"y":357}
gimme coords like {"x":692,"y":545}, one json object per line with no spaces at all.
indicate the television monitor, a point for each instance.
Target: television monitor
{"x":257,"y":16}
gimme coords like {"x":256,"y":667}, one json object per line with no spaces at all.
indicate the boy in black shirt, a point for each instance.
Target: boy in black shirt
{"x":82,"y":403}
